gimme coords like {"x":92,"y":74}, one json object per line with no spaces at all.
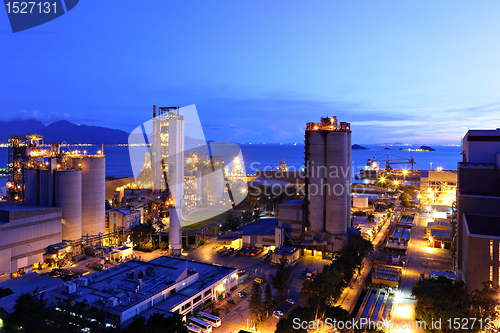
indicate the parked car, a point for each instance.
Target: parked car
{"x":278,"y":314}
{"x":240,"y":294}
{"x":243,"y":292}
{"x":231,"y":301}
{"x":291,"y":301}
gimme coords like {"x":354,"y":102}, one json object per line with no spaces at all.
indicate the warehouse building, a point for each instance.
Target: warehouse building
{"x":164,"y":285}
{"x":26,"y":231}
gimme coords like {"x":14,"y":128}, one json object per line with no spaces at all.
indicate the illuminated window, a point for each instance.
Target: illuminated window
{"x":491,"y":250}
{"x":491,"y":273}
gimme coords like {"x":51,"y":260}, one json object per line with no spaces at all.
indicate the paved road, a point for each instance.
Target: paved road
{"x":418,"y":252}
{"x":350,"y":295}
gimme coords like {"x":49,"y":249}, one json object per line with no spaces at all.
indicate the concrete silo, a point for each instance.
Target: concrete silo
{"x":315,"y":167}
{"x":338,"y":200}
{"x":93,"y":192}
{"x":328,"y":180}
{"x":68,"y":184}
{"x":32,"y":186}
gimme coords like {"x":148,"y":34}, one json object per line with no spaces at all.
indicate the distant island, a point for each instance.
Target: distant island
{"x":356,"y":146}
{"x":426,"y":148}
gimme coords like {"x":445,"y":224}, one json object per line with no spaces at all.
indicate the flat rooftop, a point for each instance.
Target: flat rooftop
{"x":483,"y":225}
{"x":11,"y":211}
{"x":134,"y":281}
{"x":209,"y":273}
{"x":264,"y":226}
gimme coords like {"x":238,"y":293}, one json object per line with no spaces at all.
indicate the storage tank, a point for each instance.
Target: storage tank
{"x":32,"y":186}
{"x":68,"y":197}
{"x":93,"y":187}
{"x":315,"y":149}
{"x":46,"y":188}
{"x":175,"y":233}
{"x":338,"y":189}
{"x":351,"y":173}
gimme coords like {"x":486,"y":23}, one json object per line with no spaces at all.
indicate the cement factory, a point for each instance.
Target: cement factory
{"x":55,"y":198}
{"x":58,"y":207}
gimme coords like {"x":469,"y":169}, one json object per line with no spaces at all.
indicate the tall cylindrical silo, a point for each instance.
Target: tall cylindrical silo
{"x":46,"y":188}
{"x":93,"y":193}
{"x":68,"y":185}
{"x":175,"y":231}
{"x":316,"y":172}
{"x":348,"y":185}
{"x":338,"y":183}
{"x":32,"y":186}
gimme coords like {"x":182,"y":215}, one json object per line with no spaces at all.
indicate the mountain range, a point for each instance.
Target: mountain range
{"x":65,"y":131}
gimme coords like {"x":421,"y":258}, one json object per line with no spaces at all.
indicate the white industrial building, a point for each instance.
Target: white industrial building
{"x":26,"y":231}
{"x":165,"y":285}
{"x":167,"y":155}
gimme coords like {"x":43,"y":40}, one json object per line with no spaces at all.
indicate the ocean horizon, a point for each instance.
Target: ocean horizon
{"x":267,"y":156}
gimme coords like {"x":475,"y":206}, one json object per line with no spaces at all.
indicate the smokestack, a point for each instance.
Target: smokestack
{"x":154,"y":111}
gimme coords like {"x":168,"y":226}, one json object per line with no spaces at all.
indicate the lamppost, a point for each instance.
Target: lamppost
{"x":405,"y":172}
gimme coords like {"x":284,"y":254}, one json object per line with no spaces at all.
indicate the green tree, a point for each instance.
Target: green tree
{"x":322,"y":291}
{"x":142,"y":236}
{"x":256,"y":308}
{"x":157,"y":323}
{"x":138,"y":325}
{"x":268,"y":299}
{"x":282,"y":279}
{"x":286,"y":325}
{"x":446,"y":299}
{"x":30,"y":313}
{"x":338,"y":313}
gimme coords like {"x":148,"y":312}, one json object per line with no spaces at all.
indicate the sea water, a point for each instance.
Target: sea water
{"x":267,"y":156}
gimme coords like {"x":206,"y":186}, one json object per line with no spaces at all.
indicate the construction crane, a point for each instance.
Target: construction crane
{"x":398,"y":160}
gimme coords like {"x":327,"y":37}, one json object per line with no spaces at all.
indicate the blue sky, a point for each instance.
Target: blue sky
{"x":410,"y":71}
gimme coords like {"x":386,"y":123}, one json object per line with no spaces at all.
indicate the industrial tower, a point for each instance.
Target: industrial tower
{"x":328,"y":177}
{"x":168,"y":147}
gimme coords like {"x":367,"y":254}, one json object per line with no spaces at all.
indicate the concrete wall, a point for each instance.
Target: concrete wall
{"x":477,"y":262}
{"x":26,"y":236}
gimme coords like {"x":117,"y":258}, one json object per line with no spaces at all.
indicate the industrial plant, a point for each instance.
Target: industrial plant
{"x":53,"y":196}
